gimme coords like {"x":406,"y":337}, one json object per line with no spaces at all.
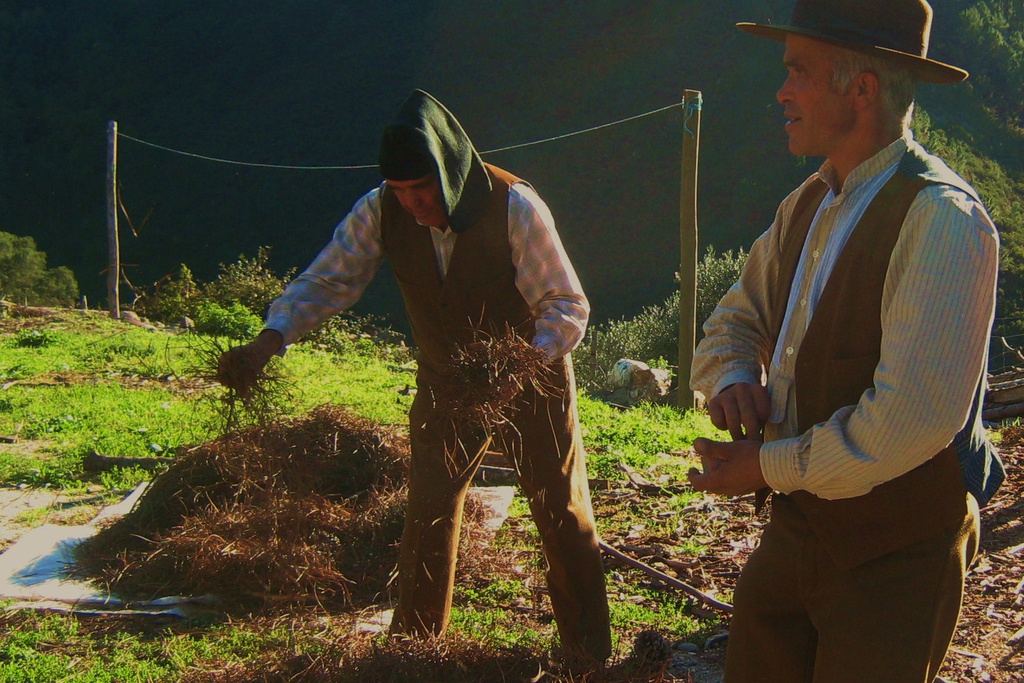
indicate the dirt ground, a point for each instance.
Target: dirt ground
{"x":23,"y":508}
{"x":989,"y":644}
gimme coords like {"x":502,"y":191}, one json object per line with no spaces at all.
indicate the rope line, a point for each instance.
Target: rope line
{"x":246,"y":163}
{"x":581,"y":132}
{"x":368,"y":166}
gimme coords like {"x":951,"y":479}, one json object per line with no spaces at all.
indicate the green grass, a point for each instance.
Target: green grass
{"x":659,"y":610}
{"x":495,"y":594}
{"x":495,"y":627}
{"x":102,"y":350}
{"x":371,"y":385}
{"x":27,"y":653}
{"x":107,"y":417}
{"x":648,"y":437}
{"x":127,"y":406}
{"x":74,"y":514}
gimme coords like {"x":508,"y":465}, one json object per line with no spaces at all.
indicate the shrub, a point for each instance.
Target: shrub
{"x":653,"y":335}
{"x":250,"y":282}
{"x":235,"y":321}
{"x":172,"y":298}
{"x":368,"y":335}
{"x":35,"y":339}
{"x":24,"y":277}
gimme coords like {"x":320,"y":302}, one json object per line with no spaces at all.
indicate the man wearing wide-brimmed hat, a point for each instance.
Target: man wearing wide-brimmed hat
{"x":868,"y":305}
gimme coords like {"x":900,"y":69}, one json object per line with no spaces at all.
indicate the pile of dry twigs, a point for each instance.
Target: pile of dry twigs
{"x":299,"y":510}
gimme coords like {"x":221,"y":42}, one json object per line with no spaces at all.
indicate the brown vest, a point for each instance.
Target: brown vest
{"x":479,"y":291}
{"x":835,"y":366}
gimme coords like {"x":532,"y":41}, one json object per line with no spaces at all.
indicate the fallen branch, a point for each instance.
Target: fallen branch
{"x":28,"y":383}
{"x":1003,"y":412}
{"x":639,"y":481}
{"x":670,"y":580}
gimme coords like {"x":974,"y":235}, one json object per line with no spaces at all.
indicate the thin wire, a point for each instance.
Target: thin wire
{"x":246,"y":163}
{"x":581,"y":132}
{"x":368,"y":166}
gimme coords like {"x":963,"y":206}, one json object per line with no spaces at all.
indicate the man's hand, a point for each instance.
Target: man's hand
{"x":742,"y":408}
{"x":730,"y":468}
{"x":239,"y":367}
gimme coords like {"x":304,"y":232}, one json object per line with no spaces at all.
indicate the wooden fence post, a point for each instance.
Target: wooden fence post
{"x":692,"y":102}
{"x":113,"y":244}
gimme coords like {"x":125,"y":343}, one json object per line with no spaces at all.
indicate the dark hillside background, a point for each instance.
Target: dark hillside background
{"x":311,"y":82}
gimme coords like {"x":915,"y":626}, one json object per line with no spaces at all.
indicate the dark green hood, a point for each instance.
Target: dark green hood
{"x":424,"y":129}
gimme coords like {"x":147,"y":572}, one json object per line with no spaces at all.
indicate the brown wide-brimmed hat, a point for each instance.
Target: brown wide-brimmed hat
{"x":893,"y":29}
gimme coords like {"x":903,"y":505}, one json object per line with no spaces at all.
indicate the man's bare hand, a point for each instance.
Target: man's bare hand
{"x":742,"y":408}
{"x":732,"y":468}
{"x":239,"y":367}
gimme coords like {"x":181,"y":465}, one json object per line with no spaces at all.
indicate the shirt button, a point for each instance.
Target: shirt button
{"x":803,"y":302}
{"x":789,"y":350}
{"x":815,"y":253}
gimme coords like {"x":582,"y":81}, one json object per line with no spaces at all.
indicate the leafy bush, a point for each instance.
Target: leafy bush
{"x":172,"y":298}
{"x":235,"y":304}
{"x":991,"y":46}
{"x":367,"y":335}
{"x":250,"y":282}
{"x":24,"y":277}
{"x":653,"y":335}
{"x":235,"y":321}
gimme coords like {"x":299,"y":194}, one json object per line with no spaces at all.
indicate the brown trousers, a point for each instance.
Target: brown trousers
{"x":800,"y":619}
{"x":544,"y":444}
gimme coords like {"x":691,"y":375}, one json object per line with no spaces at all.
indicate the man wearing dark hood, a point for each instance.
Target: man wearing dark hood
{"x":473,"y":248}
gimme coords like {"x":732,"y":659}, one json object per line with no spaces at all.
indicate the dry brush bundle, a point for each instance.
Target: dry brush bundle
{"x":267,"y":388}
{"x":298,"y":510}
{"x":285,"y":550}
{"x":487,"y":379}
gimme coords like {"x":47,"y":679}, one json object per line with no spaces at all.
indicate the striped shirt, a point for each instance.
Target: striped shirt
{"x":938,"y":304}
{"x":339,"y":275}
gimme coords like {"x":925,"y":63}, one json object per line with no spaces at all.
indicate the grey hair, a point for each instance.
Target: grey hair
{"x":896,"y":84}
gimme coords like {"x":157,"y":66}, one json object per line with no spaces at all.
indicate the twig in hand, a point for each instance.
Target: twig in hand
{"x":266,"y":390}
